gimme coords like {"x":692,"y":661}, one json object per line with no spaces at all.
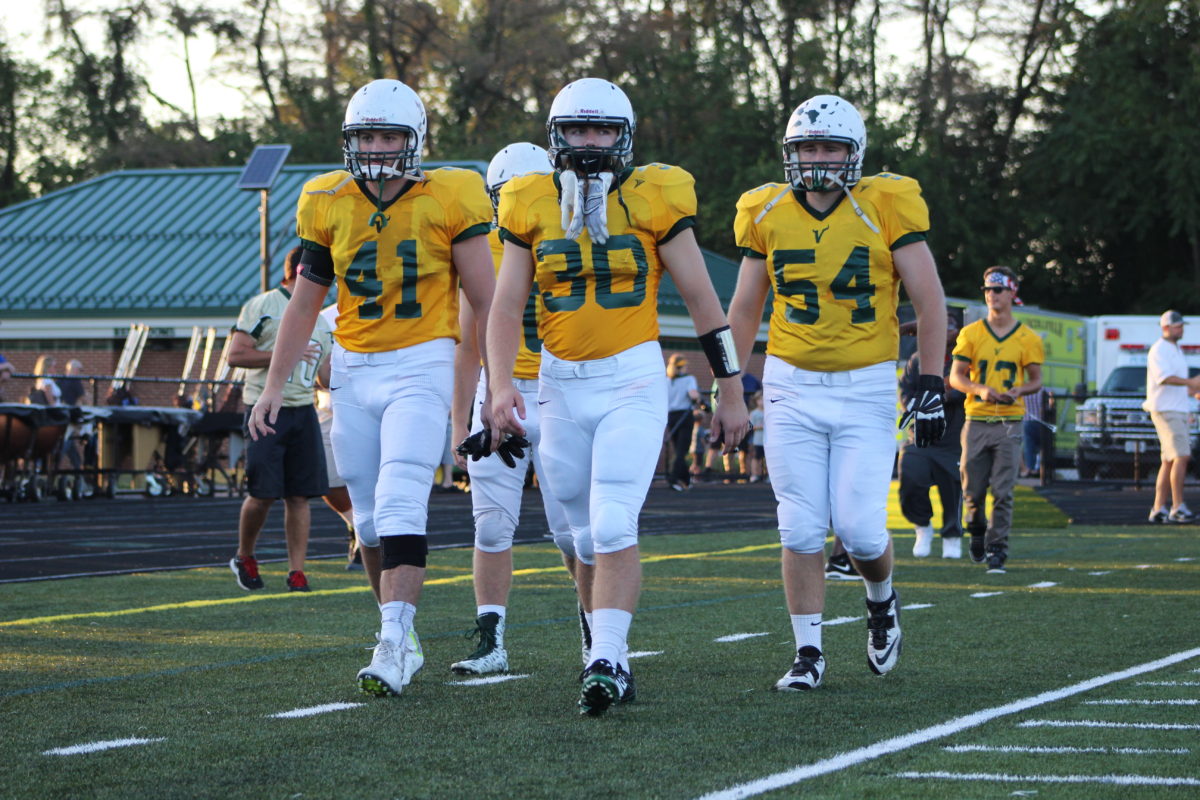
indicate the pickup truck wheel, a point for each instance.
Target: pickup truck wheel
{"x":1086,"y":469}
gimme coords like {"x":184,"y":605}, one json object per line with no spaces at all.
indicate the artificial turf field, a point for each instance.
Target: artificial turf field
{"x":1074,"y":675}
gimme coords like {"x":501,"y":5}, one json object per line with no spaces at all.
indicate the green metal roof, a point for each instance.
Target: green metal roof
{"x":171,"y":241}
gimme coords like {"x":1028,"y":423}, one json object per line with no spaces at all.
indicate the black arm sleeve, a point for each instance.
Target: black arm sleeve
{"x":316,"y":264}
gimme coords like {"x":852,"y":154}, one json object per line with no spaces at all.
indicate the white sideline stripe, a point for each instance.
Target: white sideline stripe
{"x":1146,"y":566}
{"x":311,"y":711}
{"x":95,"y":747}
{"x":644,"y":653}
{"x":1185,"y":558}
{"x":896,"y":743}
{"x":1042,"y":585}
{"x":737,"y":637}
{"x":1100,"y":572}
{"x":840,"y":621}
{"x":1167,"y":683}
{"x":1091,"y":723}
{"x":986,"y":594}
{"x":1136,"y":751}
{"x":1119,"y":780}
{"x":485,"y":680}
{"x":916,"y":606}
{"x":1141,"y":702}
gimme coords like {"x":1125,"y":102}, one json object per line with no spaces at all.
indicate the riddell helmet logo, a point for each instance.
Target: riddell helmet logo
{"x":373,"y":119}
{"x":589,"y":111}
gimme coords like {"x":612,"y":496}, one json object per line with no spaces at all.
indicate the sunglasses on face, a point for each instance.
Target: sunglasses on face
{"x":995,"y":289}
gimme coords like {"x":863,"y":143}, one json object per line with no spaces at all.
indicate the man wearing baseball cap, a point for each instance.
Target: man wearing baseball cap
{"x":1167,"y":390}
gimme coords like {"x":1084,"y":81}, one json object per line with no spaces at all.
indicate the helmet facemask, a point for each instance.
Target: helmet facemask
{"x":821,"y":176}
{"x":384,"y":164}
{"x":589,"y":161}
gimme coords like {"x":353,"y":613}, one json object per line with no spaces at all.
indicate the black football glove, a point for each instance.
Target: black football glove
{"x":479,"y":445}
{"x":927,"y":410}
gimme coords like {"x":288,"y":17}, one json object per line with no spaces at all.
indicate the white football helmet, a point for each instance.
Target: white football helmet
{"x":591,"y":101}
{"x":824,"y":118}
{"x":384,"y":105}
{"x":519,"y":158}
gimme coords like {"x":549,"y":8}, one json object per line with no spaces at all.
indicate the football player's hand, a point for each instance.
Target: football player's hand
{"x":730,"y":423}
{"x":311,"y":354}
{"x":508,"y":409}
{"x":926,"y":411}
{"x":264,"y":414}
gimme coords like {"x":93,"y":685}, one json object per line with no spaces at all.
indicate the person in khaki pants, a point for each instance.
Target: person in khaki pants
{"x":997,"y":360}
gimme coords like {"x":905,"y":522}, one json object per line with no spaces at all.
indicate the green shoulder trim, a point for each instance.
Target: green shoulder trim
{"x":308,"y":244}
{"x":909,"y":238}
{"x":683,"y":224}
{"x":478,"y":229}
{"x":751,"y":253}
{"x":506,"y":236}
{"x":963,"y":359}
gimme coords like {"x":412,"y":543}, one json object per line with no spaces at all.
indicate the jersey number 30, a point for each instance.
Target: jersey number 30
{"x":853,"y":282}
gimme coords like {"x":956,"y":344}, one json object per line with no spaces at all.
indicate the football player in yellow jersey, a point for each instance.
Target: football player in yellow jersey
{"x":496,"y":483}
{"x":997,"y":360}
{"x":397,"y":241}
{"x":835,"y":246}
{"x":596,"y":235}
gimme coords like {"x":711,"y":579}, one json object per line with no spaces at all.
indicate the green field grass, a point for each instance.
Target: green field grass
{"x":187,"y":660}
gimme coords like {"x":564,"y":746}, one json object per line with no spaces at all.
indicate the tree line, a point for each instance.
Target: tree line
{"x":1053,"y":136}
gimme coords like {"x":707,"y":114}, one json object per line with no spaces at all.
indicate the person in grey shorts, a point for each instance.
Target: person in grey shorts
{"x":1167,"y":400}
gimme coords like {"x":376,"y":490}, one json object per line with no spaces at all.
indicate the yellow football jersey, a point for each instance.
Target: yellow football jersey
{"x":529,"y":349}
{"x":599,"y":300}
{"x":397,"y":286}
{"x":997,"y":362}
{"x":835,"y":285}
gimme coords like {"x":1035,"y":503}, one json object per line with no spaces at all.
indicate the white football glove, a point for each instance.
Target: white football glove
{"x":585,"y":204}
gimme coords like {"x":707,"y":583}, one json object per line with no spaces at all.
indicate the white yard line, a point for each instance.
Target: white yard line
{"x":895,"y":744}
{"x":840,"y":621}
{"x":1092,"y":723}
{"x":95,"y":747}
{"x":1100,"y":572}
{"x":1119,"y":780}
{"x":1042,"y":585}
{"x":311,"y":711}
{"x":737,"y":637}
{"x":644,"y":653}
{"x":1167,"y":683}
{"x":485,"y":681}
{"x":986,"y":594}
{"x":1133,"y":751}
{"x":1141,"y":702}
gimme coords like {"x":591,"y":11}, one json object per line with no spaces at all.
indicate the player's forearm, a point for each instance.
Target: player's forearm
{"x":466,"y":379}
{"x":250,"y":358}
{"x":502,"y":341}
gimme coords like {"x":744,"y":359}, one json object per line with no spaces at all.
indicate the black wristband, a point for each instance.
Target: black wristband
{"x":720,"y":352}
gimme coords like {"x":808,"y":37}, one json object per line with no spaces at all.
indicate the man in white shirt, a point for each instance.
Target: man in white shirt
{"x":1167,"y":390}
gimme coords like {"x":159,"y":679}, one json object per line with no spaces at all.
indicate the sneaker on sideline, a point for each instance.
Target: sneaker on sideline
{"x":883,"y":634}
{"x":978,"y":548}
{"x":297,"y":581}
{"x":489,"y":655}
{"x":601,"y":688}
{"x":995,"y":564}
{"x":1182,"y":515}
{"x":951,"y":547}
{"x":840,"y":568}
{"x":1160,"y":516}
{"x":246,"y":570}
{"x":923,"y":540}
{"x":384,"y":676}
{"x":806,"y":672}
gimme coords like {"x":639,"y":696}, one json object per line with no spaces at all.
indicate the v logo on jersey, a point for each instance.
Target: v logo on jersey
{"x":820,"y":233}
{"x":638,"y":182}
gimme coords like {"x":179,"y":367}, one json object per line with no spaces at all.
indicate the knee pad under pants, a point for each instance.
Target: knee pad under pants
{"x":585,"y":553}
{"x":494,"y":530}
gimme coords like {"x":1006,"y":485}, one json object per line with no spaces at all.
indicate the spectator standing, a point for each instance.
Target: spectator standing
{"x":921,"y":468}
{"x":290,"y":464}
{"x":682,"y":394}
{"x":757,"y":454}
{"x":1167,"y":390}
{"x":45,"y":391}
{"x":997,"y":361}
{"x":1032,"y":432}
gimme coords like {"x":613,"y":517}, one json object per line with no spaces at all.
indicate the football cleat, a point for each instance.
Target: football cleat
{"x":806,"y":672}
{"x":602,"y":687}
{"x":414,"y":656}
{"x":840,"y":568}
{"x":627,"y":684}
{"x":978,"y":548}
{"x":246,"y":570}
{"x":384,"y":676}
{"x":490,"y":655}
{"x":883,"y":634}
{"x":922,"y":541}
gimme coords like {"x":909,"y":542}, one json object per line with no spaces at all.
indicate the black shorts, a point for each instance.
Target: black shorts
{"x":289,"y":462}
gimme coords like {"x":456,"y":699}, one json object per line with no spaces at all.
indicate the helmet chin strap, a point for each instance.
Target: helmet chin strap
{"x":836,"y":179}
